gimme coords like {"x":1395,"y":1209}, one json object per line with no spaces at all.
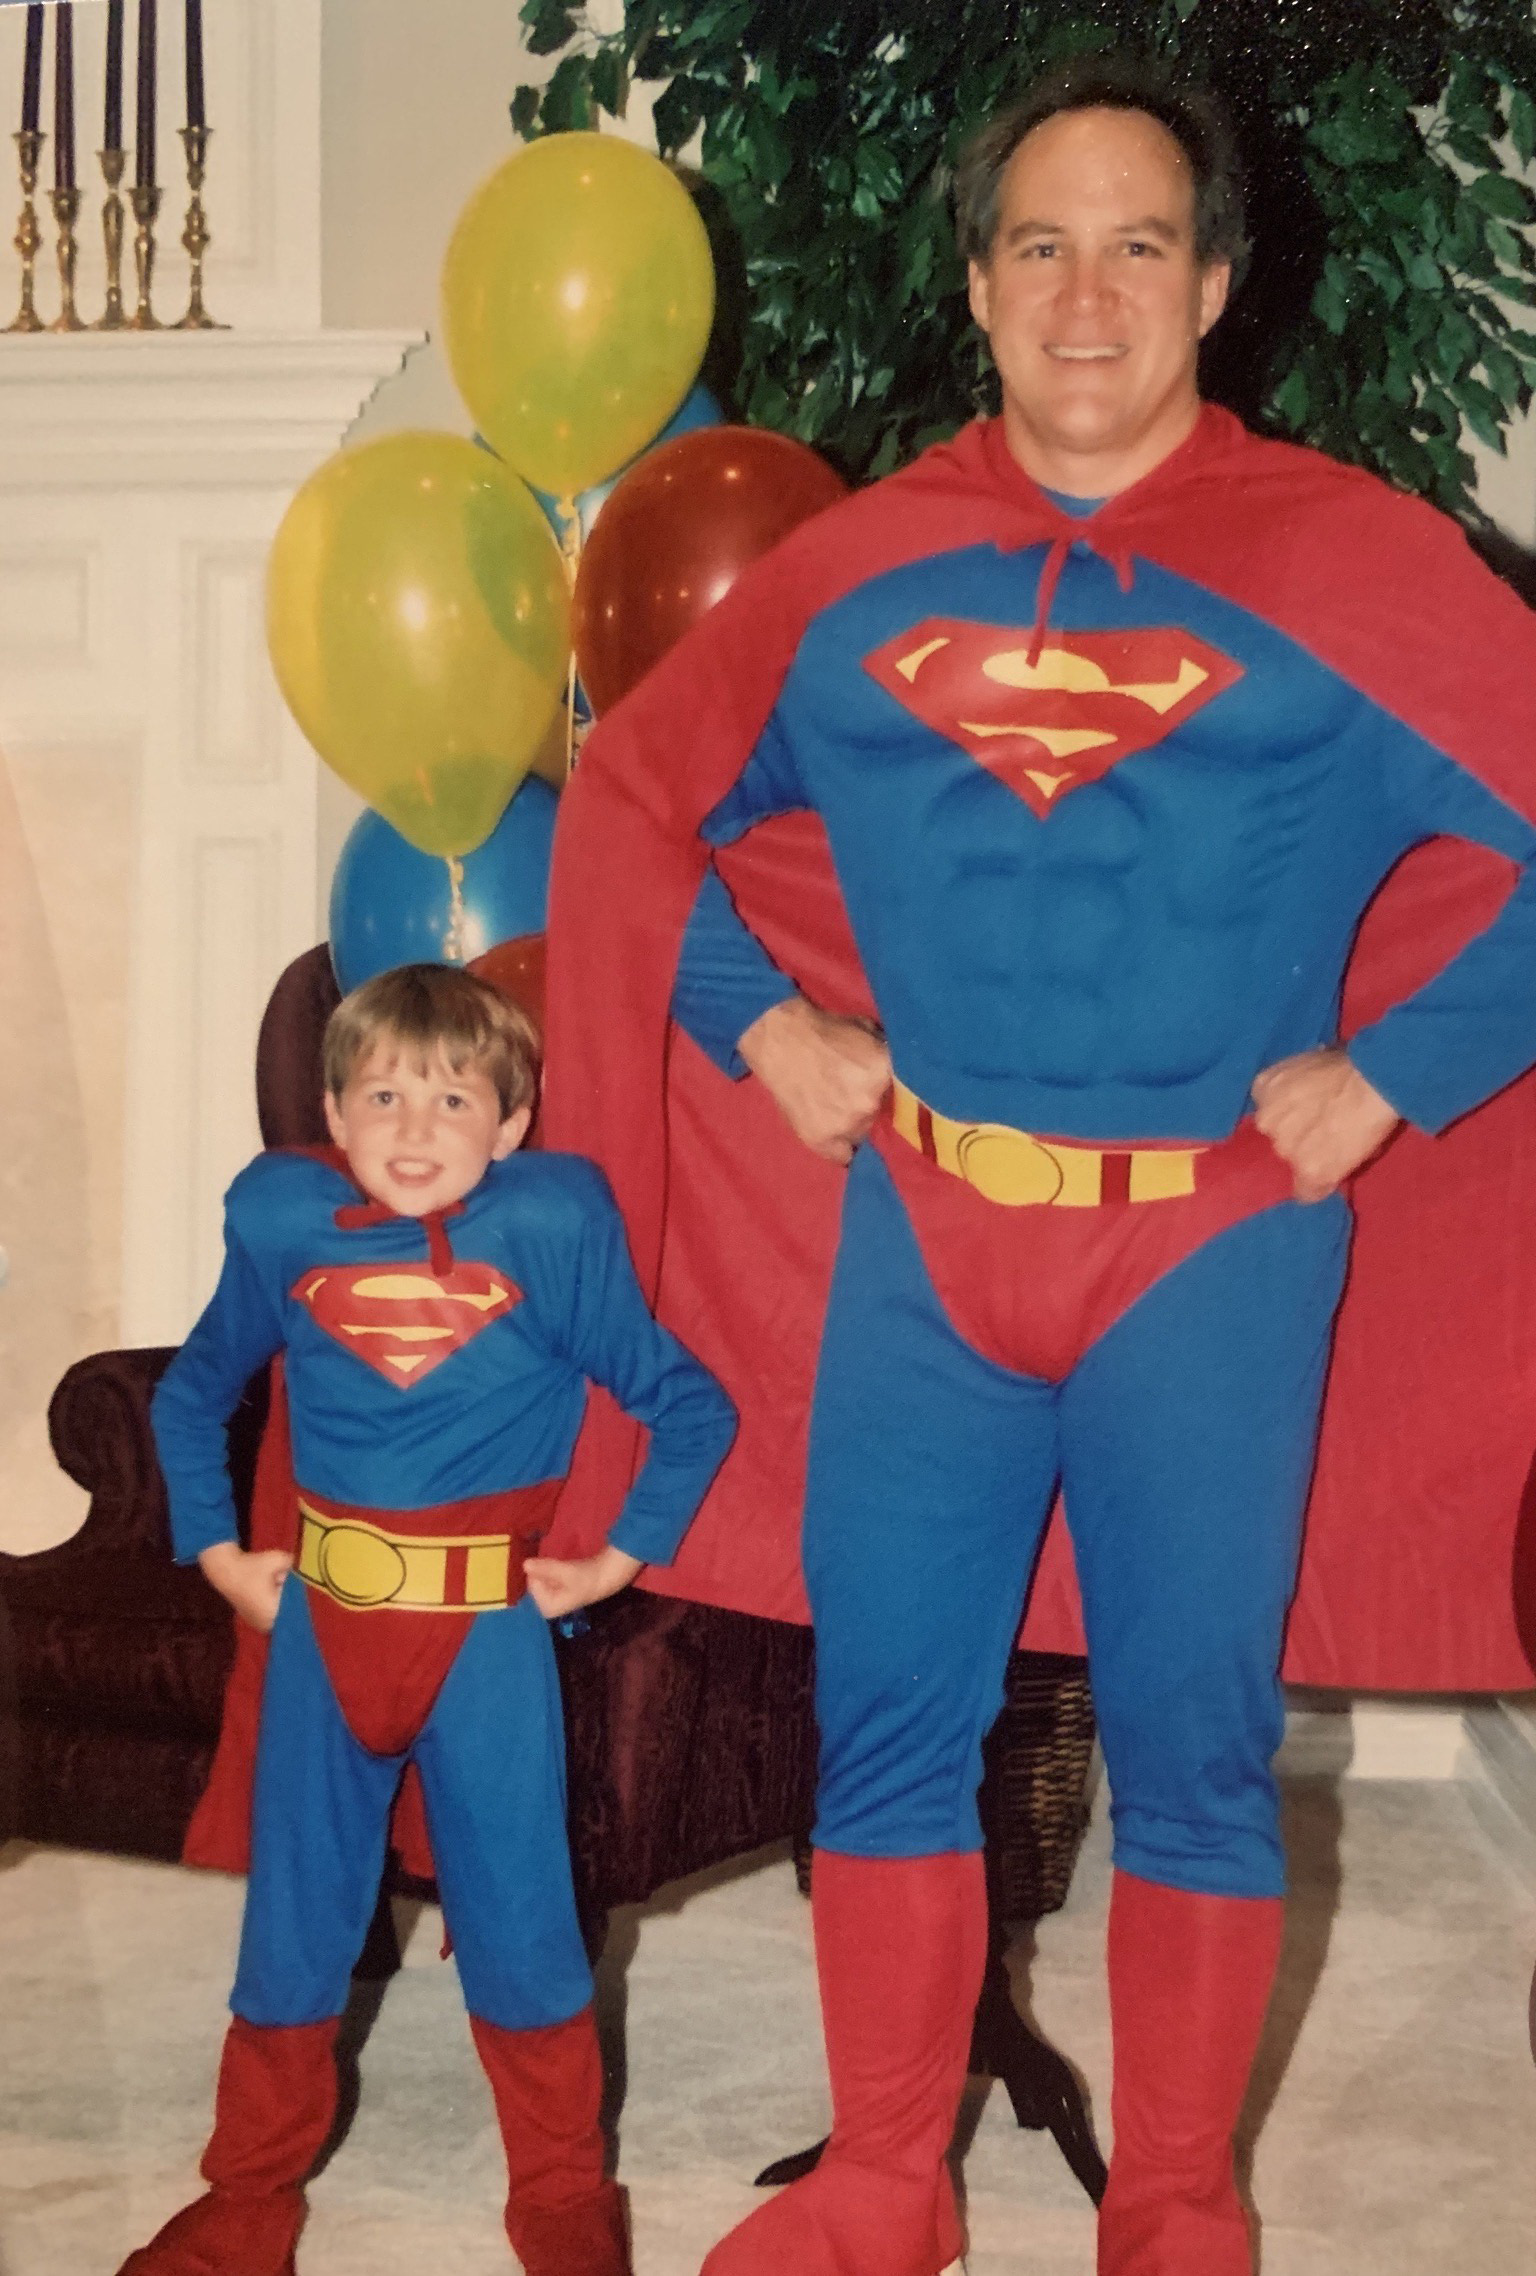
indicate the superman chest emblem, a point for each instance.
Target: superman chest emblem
{"x":401,"y":1319}
{"x":1089,"y":699}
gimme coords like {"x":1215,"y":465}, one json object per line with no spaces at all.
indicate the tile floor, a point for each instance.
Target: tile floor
{"x":1394,"y":2107}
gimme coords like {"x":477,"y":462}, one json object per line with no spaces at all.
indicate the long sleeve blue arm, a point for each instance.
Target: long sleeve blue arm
{"x":611,"y":1336}
{"x":725,"y":977}
{"x":1472,"y":1028}
{"x":199,"y":1392}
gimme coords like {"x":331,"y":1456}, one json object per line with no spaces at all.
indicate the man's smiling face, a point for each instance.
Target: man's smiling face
{"x":1093,"y":299}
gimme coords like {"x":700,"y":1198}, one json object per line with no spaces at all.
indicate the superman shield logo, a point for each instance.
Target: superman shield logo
{"x":1045,"y":728}
{"x":400,"y":1318}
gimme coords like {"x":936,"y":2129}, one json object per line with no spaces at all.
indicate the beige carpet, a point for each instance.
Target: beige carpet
{"x":1396,"y":2103}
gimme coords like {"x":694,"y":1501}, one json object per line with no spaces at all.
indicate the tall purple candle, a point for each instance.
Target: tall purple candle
{"x":196,"y":115}
{"x":144,"y":139}
{"x":64,"y":96}
{"x":32,"y":77}
{"x":112,"y":132}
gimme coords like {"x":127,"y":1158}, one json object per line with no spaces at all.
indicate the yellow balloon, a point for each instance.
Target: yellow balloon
{"x":419,"y":624}
{"x":578,"y":293}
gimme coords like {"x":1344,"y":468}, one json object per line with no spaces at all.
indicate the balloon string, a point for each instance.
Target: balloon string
{"x":570,"y":717}
{"x":453,"y":939}
{"x":570,"y":556}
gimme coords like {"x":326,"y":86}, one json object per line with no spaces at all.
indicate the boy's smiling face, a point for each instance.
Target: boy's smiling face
{"x":417,"y":1135}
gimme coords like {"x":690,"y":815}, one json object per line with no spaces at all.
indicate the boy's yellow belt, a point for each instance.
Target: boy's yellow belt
{"x":370,"y":1567}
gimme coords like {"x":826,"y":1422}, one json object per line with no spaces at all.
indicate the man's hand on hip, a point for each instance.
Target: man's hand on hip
{"x":828,"y":1076}
{"x":1322,"y":1117}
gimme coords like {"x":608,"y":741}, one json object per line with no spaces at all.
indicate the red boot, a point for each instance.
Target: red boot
{"x":1189,"y":1981}
{"x":563,"y":2218}
{"x":900,"y":1947}
{"x":276,"y":2100}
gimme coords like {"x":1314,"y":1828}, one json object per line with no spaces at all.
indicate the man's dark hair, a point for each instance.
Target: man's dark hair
{"x":1195,"y":118}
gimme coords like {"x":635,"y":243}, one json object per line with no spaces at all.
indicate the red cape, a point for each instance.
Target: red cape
{"x":1408,"y":1579}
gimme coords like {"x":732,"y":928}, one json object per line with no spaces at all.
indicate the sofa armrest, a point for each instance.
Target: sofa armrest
{"x":98,"y":1421}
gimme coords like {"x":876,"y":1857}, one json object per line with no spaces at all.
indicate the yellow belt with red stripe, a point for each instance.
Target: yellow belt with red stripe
{"x":1014,"y":1168}
{"x":369,"y":1567}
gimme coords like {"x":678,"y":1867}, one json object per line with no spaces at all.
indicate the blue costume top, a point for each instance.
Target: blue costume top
{"x":407,"y":1391}
{"x":1097,"y":889}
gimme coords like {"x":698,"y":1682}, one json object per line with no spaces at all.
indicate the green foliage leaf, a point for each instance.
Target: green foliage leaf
{"x":568,"y":97}
{"x":548,"y":23}
{"x":1505,"y":246}
{"x":1504,"y":377}
{"x":1290,"y":400}
{"x":1499,"y":194}
{"x":677,"y":117}
{"x":1522,"y":125}
{"x":525,"y":111}
{"x":608,"y":80}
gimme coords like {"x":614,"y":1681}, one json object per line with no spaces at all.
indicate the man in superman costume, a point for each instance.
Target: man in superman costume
{"x":1060,"y":768}
{"x":442,"y":1301}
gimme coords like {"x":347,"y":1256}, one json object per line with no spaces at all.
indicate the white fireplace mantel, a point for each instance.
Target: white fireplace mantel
{"x":169,"y":410}
{"x":141,"y":480}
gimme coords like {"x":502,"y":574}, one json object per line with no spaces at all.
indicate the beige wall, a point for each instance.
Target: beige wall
{"x":414,"y":96}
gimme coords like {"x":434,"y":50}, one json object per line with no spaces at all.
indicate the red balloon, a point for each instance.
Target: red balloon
{"x":674,"y":537}
{"x":516,"y":967}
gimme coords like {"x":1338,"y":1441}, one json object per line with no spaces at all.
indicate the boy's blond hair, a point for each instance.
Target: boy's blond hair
{"x":425,"y":1008}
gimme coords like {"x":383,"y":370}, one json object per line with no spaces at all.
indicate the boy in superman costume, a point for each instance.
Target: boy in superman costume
{"x":442,"y":1301}
{"x":1012,"y":825}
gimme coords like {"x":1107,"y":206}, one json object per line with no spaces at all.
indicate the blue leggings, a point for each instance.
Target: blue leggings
{"x":1183,"y":1440}
{"x":491,"y":1755}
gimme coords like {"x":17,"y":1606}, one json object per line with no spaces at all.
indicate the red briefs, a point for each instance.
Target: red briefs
{"x":387,"y":1662}
{"x":1033,"y":1287}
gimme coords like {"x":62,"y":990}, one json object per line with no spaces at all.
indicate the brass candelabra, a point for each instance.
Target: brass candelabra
{"x":146,"y":207}
{"x":196,"y":235}
{"x":113,"y":317}
{"x":66,"y":212}
{"x":29,"y":236}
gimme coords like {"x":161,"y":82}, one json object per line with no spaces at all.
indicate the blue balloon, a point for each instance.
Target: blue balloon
{"x":697,"y":409}
{"x":392,"y":905}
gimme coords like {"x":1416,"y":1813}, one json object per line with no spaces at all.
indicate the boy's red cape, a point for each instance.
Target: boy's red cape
{"x":1419,"y":1572}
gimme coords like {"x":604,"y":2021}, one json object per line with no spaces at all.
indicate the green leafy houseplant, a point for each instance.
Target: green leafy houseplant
{"x":1384,"y":145}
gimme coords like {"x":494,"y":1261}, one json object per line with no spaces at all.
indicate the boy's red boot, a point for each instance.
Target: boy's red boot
{"x":276,"y":2100}
{"x":900,"y":1948}
{"x":563,"y":2218}
{"x":1189,"y":1981}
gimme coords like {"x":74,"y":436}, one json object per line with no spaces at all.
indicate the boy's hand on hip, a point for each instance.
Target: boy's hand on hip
{"x":564,"y":1584}
{"x":1322,"y":1117}
{"x":249,"y":1579}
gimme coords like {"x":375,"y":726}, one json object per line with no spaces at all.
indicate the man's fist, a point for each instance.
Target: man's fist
{"x":827,"y":1076}
{"x":249,"y":1579}
{"x":1322,"y":1117}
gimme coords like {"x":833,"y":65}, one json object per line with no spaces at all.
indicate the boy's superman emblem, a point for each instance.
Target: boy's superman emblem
{"x":1089,"y":699}
{"x":400,"y":1318}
